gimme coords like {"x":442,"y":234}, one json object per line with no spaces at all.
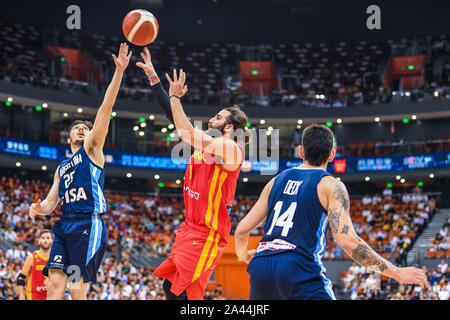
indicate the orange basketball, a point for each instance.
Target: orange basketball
{"x":140,"y":27}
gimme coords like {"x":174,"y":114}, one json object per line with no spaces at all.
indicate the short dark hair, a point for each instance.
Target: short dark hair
{"x":317,"y":142}
{"x":85,"y":122}
{"x":43,"y":231}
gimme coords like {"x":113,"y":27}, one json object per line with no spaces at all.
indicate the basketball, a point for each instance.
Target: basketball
{"x":140,"y":27}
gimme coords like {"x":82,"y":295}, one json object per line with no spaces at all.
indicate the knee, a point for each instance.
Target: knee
{"x":77,"y":291}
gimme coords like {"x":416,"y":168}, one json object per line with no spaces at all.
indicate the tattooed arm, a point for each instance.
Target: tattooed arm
{"x":334,"y":197}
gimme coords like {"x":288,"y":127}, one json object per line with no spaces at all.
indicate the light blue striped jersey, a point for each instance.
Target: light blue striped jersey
{"x":81,"y":186}
{"x":297,"y":221}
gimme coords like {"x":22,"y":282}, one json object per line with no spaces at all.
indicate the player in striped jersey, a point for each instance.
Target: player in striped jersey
{"x":209,"y":188}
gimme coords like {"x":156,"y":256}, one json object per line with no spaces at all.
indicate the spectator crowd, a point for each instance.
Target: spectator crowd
{"x":362,"y":284}
{"x":146,"y":225}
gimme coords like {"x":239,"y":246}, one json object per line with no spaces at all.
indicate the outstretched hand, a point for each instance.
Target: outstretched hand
{"x":147,"y":66}
{"x":35,"y":209}
{"x":177,"y":86}
{"x":123,"y":58}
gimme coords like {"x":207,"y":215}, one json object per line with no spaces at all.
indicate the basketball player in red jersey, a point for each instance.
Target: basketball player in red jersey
{"x":36,"y":288}
{"x":209,"y":188}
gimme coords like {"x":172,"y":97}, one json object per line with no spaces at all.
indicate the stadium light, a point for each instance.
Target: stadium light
{"x":143,"y":124}
{"x":164,"y":130}
{"x":10,"y":99}
{"x":402,"y":180}
{"x":18,"y":164}
{"x":80,"y":110}
{"x":262,"y":121}
{"x":436,"y":93}
{"x":129,"y":175}
{"x":156,"y":176}
{"x":338,"y":178}
{"x":170,"y":126}
{"x":414,"y":117}
{"x":270,"y":128}
{"x":377,"y":119}
{"x":431,"y":175}
{"x":367,"y":178}
{"x":135,"y":128}
{"x":45,"y":105}
{"x":398,"y":177}
{"x":339,"y":120}
{"x":178,"y":181}
{"x":141,"y":133}
{"x":151,"y":117}
{"x":245,"y":179}
{"x":299,"y":126}
{"x":299,"y":121}
{"x":268,"y":132}
{"x":114,"y":113}
{"x":44,"y":168}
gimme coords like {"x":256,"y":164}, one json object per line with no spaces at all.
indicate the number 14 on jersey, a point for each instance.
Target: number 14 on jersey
{"x":284,"y":220}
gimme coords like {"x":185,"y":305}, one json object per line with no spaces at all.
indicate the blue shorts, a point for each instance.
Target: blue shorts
{"x":283,"y":276}
{"x":78,"y":247}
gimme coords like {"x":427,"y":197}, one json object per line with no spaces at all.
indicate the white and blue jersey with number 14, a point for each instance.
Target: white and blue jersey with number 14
{"x":81,"y":186}
{"x":295,"y":234}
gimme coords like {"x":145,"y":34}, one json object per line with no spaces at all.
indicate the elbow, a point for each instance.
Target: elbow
{"x":185,"y":134}
{"x":346,"y":243}
{"x":240,"y":232}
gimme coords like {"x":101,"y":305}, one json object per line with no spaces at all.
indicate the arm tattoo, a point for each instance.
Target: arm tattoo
{"x":341,"y":195}
{"x":365,"y":256}
{"x":345,"y":229}
{"x":334,"y":217}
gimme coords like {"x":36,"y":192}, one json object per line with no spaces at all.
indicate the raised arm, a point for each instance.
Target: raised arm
{"x":226,"y":149}
{"x":96,"y":139}
{"x":51,"y":201}
{"x":334,"y":197}
{"x":160,"y":93}
{"x":251,"y":221}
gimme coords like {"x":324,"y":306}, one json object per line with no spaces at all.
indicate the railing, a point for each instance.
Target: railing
{"x":382,"y":149}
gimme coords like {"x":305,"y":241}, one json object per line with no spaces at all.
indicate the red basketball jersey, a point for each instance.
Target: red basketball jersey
{"x":208,"y":191}
{"x":36,"y":288}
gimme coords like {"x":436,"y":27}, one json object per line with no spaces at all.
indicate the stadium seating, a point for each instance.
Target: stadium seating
{"x":319,"y":74}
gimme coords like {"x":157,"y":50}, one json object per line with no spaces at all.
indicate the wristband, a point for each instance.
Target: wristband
{"x":175,"y":96}
{"x":152,"y":76}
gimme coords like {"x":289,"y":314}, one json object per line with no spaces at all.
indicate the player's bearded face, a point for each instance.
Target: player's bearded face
{"x":45,"y":241}
{"x":218,"y":122}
